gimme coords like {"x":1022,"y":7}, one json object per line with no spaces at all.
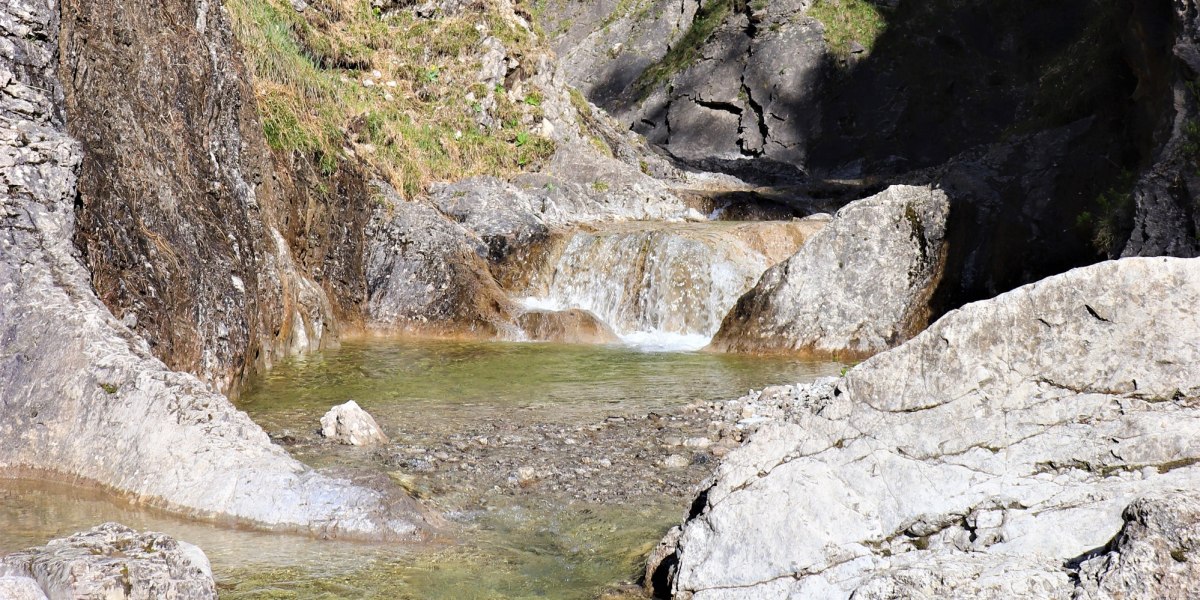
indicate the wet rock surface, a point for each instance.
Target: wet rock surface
{"x":114,"y":562}
{"x":178,"y":218}
{"x":993,"y":455}
{"x":859,"y":286}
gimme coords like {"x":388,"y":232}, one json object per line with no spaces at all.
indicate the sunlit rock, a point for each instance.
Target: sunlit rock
{"x":859,"y":286}
{"x":114,"y":562}
{"x":995,"y":455}
{"x":349,"y":424}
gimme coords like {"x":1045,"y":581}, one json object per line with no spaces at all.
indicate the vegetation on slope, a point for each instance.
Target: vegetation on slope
{"x":847,"y":21}
{"x":398,"y":92}
{"x":685,"y":52}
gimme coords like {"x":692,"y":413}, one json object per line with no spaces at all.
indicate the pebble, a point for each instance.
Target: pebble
{"x":676,"y":461}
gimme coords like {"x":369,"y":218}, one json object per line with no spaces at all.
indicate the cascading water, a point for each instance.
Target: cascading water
{"x":661,"y":286}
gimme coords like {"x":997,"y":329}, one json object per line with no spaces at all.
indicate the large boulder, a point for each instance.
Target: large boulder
{"x":114,"y":562}
{"x":991,"y":456}
{"x":84,"y":397}
{"x":860,"y":285}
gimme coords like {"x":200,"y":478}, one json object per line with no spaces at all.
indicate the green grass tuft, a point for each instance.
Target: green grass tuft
{"x":685,"y":52}
{"x":309,"y":71}
{"x":848,"y":21}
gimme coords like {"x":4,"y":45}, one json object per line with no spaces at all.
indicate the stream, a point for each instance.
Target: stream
{"x":548,"y":460}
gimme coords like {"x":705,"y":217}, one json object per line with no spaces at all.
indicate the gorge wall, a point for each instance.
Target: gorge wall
{"x":1059,"y":131}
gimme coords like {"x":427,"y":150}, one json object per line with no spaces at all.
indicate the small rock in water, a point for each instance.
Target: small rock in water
{"x":350,"y":424}
{"x":526,"y":476}
{"x":676,"y":461}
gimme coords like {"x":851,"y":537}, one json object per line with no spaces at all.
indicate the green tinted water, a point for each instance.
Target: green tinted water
{"x":534,"y":546}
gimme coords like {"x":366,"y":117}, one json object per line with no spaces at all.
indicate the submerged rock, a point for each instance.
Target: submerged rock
{"x":571,"y":326}
{"x":349,"y":424}
{"x":991,"y":456}
{"x":114,"y":562}
{"x":859,"y":286}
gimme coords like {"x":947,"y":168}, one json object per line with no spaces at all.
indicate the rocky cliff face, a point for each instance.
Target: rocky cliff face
{"x":1059,"y":131}
{"x":84,"y":397}
{"x":186,"y":232}
{"x":991,"y":456}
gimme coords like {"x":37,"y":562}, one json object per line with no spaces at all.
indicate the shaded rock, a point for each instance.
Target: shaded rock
{"x":111,"y":562}
{"x":571,"y":326}
{"x":350,"y":424}
{"x":1004,"y":441}
{"x":96,"y":405}
{"x":1166,"y":60}
{"x":858,"y":286}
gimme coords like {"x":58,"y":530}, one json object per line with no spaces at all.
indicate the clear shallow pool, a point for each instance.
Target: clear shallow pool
{"x":532,"y":544}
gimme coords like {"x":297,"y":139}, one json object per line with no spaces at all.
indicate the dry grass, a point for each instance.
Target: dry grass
{"x":417,"y":122}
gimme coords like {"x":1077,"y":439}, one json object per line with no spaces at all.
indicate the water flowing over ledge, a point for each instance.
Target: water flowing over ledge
{"x":660,"y":286}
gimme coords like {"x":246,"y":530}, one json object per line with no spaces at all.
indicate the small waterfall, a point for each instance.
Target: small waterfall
{"x":661,"y":286}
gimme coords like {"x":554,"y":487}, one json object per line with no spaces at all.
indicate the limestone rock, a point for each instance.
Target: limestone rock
{"x":1167,"y":191}
{"x":859,"y":286}
{"x":179,"y":219}
{"x":427,"y":273}
{"x":111,"y":562}
{"x":96,"y":405}
{"x":992,"y":456}
{"x":349,"y":424}
{"x":14,"y":587}
{"x":1155,"y":555}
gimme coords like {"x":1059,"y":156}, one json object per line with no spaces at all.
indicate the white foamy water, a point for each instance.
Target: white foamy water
{"x":658,"y":341}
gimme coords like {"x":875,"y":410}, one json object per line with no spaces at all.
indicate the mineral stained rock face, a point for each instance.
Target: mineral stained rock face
{"x":349,"y":424}
{"x":114,"y":562}
{"x":992,"y":456}
{"x":858,"y":286}
{"x":180,"y":220}
{"x":95,"y":404}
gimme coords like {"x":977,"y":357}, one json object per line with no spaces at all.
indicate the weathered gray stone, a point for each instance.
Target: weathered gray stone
{"x":349,"y":424}
{"x":1155,"y":555}
{"x":981,"y":457}
{"x":1165,"y":196}
{"x":13,"y":587}
{"x":427,"y":273}
{"x":859,"y":286}
{"x":114,"y":562}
